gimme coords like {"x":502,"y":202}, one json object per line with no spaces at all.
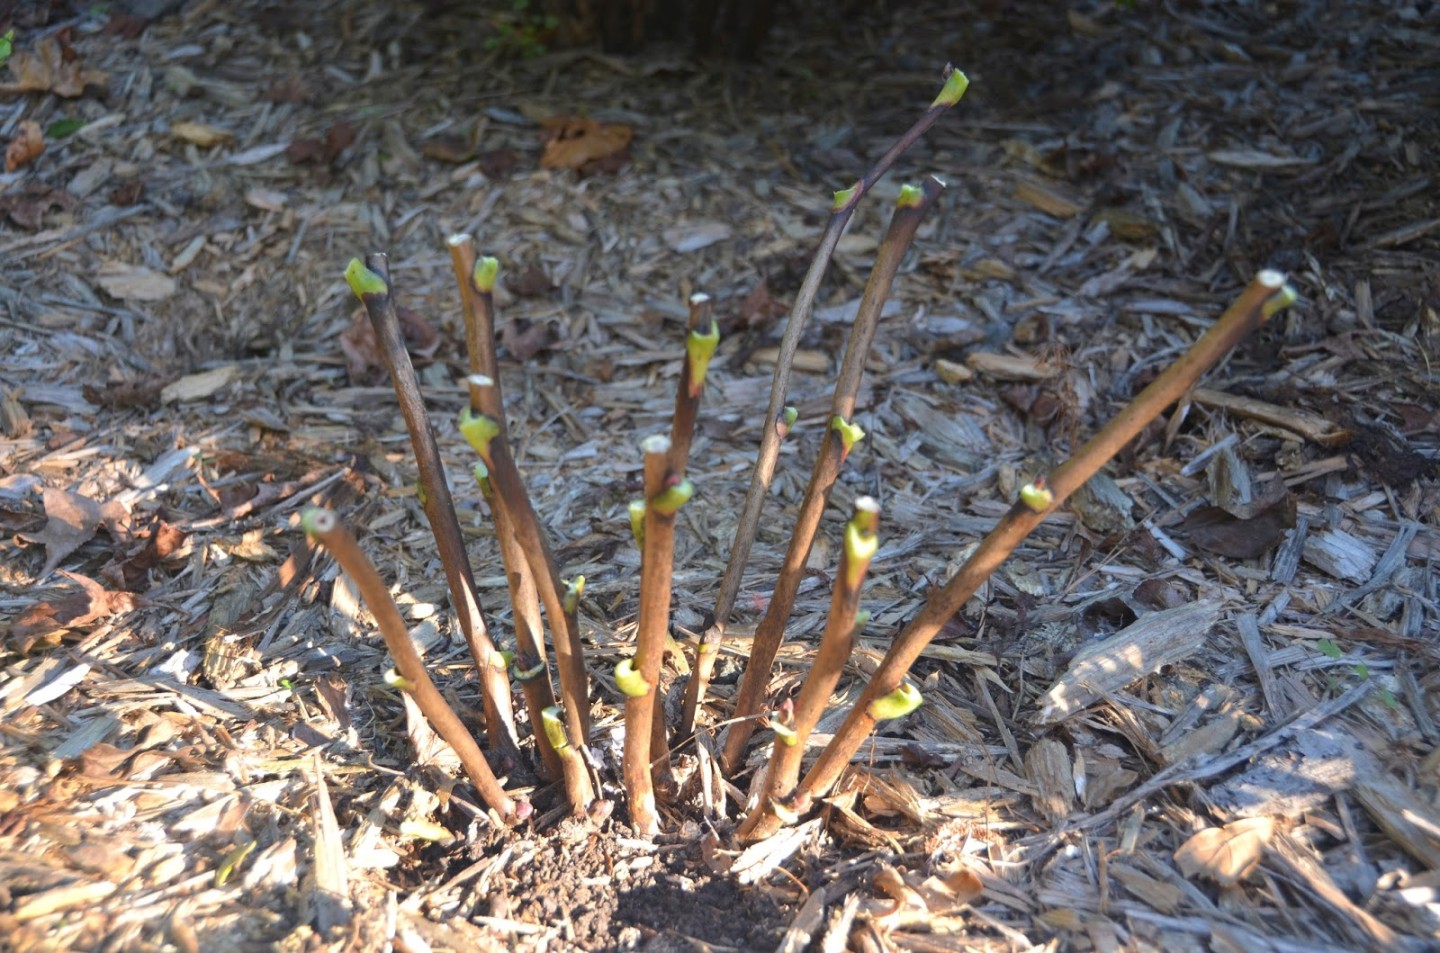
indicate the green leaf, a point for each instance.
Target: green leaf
{"x":7,"y":45}
{"x":1328,"y":648}
{"x":63,"y":127}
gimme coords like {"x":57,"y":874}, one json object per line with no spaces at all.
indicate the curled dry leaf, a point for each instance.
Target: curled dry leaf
{"x":572,"y":143}
{"x":197,"y":133}
{"x":26,"y":145}
{"x":45,"y":69}
{"x":73,"y":519}
{"x":1226,"y":854}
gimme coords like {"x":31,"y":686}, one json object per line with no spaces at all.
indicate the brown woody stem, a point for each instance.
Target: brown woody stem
{"x":840,"y":212}
{"x":325,"y":527}
{"x":833,"y":448}
{"x":663,"y":498}
{"x":371,"y":283}
{"x":477,"y":299}
{"x":836,"y":645}
{"x":486,"y":434}
{"x":531,"y":668}
{"x":1266,"y":294}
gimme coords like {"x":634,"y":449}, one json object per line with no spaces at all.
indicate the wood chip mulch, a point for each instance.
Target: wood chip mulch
{"x":1196,"y":711}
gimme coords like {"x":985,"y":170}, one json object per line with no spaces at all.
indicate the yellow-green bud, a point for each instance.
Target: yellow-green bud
{"x":574,"y":588}
{"x":629,"y":679}
{"x":699,"y":349}
{"x":554,"y":726}
{"x":637,"y":521}
{"x":363,"y":281}
{"x":899,"y":703}
{"x":670,"y":499}
{"x":478,"y":430}
{"x":1037,"y":496}
{"x":486,"y":268}
{"x":850,"y":434}
{"x":955,"y":85}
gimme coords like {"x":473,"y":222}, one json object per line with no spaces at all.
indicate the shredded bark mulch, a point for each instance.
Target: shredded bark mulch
{"x":1197,"y":710}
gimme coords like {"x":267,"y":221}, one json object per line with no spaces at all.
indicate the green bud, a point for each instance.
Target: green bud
{"x":637,"y":521}
{"x":397,"y":681}
{"x":317,"y":520}
{"x":574,"y":588}
{"x":363,"y":281}
{"x":955,"y":85}
{"x":850,"y":434}
{"x":910,"y":197}
{"x":554,"y":726}
{"x":670,"y":499}
{"x":478,"y":430}
{"x":899,"y":703}
{"x":844,"y":197}
{"x":1037,"y":496}
{"x":629,"y":679}
{"x":486,"y":269}
{"x":699,"y":349}
{"x":860,"y":540}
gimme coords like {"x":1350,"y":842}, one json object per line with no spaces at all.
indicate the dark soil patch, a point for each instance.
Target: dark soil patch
{"x":605,"y":890}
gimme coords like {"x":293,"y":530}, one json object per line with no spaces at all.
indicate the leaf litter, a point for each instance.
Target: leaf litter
{"x":149,"y":751}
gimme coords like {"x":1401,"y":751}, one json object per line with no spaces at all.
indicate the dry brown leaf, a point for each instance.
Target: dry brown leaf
{"x":44,"y":622}
{"x":524,"y":340}
{"x":573,"y":142}
{"x":134,"y":282}
{"x":73,"y":519}
{"x":199,"y":386}
{"x":1226,"y":854}
{"x":26,"y":146}
{"x":1212,"y":528}
{"x":44,"y":70}
{"x":197,"y":133}
{"x":363,"y":361}
{"x":28,"y":205}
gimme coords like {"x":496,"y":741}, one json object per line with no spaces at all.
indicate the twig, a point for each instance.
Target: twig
{"x":836,"y":645}
{"x":325,"y":527}
{"x":370,"y":281}
{"x":1266,"y":294}
{"x":840,"y":211}
{"x":707,"y":650}
{"x":641,"y":680}
{"x":836,"y":443}
{"x":477,"y":298}
{"x":531,"y":669}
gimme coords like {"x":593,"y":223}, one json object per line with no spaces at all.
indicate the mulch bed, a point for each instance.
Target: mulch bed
{"x":197,"y":747}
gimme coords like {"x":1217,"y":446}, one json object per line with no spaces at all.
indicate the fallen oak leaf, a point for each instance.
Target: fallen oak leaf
{"x":27,"y":206}
{"x":1226,"y":854}
{"x":73,"y":519}
{"x":45,"y":69}
{"x":26,"y":146}
{"x":45,"y":622}
{"x":573,"y":142}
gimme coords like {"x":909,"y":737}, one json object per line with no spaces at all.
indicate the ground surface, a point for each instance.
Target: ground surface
{"x":197,"y":748}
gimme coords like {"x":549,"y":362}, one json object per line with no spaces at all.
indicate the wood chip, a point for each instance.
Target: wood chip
{"x":1140,"y":649}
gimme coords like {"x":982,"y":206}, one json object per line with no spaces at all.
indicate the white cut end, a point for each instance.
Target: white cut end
{"x":699,"y":298}
{"x":656,"y":443}
{"x":939,"y":180}
{"x":459,"y":238}
{"x":479,"y":380}
{"x":867,"y":503}
{"x":321,"y":521}
{"x":1271,"y":278}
